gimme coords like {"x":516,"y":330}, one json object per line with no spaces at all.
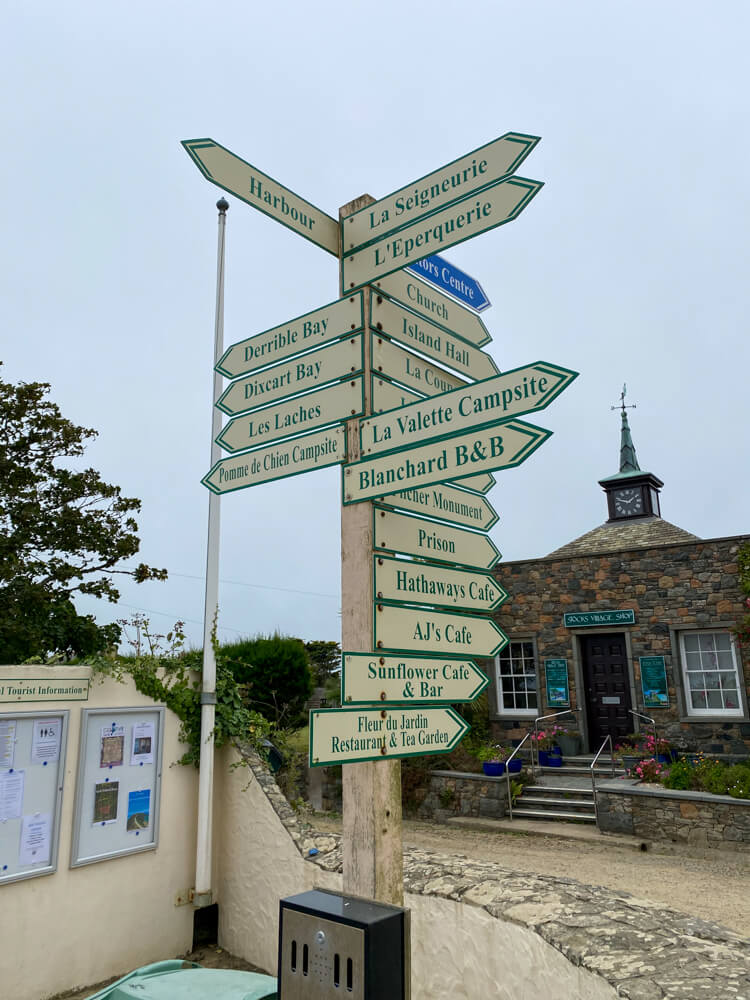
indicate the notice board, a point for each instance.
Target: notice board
{"x":32,"y":767}
{"x":119,"y":783}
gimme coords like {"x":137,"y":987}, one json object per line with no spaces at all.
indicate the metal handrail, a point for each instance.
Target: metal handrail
{"x":507,"y":774}
{"x":607,"y":739}
{"x":541,"y":718}
{"x":653,"y":723}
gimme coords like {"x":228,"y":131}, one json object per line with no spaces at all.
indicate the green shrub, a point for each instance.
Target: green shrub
{"x":738,"y":781}
{"x":274,"y":674}
{"x":680,"y":775}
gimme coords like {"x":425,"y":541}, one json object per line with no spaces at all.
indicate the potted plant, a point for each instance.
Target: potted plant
{"x":660,"y":749}
{"x":569,"y":741}
{"x":546,"y":742}
{"x":492,"y":757}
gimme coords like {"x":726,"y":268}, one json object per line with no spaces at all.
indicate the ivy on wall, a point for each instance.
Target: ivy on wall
{"x":742,"y":629}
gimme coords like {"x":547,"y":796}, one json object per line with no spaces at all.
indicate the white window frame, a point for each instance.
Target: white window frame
{"x":700,"y":713}
{"x":517,"y":713}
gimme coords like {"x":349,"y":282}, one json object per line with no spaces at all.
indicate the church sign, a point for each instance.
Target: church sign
{"x":587,"y":619}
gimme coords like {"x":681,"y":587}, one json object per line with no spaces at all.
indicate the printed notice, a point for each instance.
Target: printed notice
{"x":112,"y":750}
{"x":139,"y":809}
{"x":35,"y":840}
{"x":11,"y":795}
{"x":106,"y":794}
{"x":45,"y":740}
{"x":142,"y":746}
{"x":7,"y":742}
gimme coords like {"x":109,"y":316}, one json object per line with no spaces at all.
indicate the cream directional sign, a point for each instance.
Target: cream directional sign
{"x":419,"y":334}
{"x":414,"y":372}
{"x":448,"y":503}
{"x":250,"y":185}
{"x":346,"y":735}
{"x":301,"y":454}
{"x":457,"y":180}
{"x":294,"y":337}
{"x":492,"y":401}
{"x":414,"y":536}
{"x":345,"y":357}
{"x":400,"y":629}
{"x":336,"y":402}
{"x":427,"y":583}
{"x":493,"y":206}
{"x":492,"y":448}
{"x":432,"y":304}
{"x":368,"y":678}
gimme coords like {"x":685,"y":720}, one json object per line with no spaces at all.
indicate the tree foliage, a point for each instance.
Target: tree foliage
{"x":325,"y":660}
{"x":274,"y":673}
{"x":63,"y":531}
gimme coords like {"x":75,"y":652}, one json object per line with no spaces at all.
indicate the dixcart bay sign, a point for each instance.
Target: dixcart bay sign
{"x":447,"y":503}
{"x":423,"y":630}
{"x":301,"y":454}
{"x":492,"y":207}
{"x":246,"y":182}
{"x":419,"y":334}
{"x":424,"y":299}
{"x":428,"y":583}
{"x":586,"y":619}
{"x":442,"y":273}
{"x":492,"y":401}
{"x":327,"y":364}
{"x":346,"y":735}
{"x":457,"y":180}
{"x":368,"y":678}
{"x":415,"y":536}
{"x":416,"y":373}
{"x":336,"y":402}
{"x":500,"y":447}
{"x":295,"y":337}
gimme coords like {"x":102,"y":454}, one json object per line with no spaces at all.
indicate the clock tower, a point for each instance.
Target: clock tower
{"x":631,"y":493}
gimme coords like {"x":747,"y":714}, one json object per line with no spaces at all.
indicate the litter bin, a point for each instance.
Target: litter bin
{"x":177,"y":980}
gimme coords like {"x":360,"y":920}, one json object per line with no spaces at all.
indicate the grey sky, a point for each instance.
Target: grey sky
{"x":630,"y":266}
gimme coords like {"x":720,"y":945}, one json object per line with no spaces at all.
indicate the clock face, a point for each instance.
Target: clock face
{"x":628,"y":501}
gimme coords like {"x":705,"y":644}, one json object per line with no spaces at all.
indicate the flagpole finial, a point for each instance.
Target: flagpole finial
{"x":222,"y":204}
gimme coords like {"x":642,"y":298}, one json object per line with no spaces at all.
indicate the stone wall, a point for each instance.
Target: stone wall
{"x":664,"y":814}
{"x":458,"y":793}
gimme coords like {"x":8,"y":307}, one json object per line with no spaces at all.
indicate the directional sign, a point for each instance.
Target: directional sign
{"x":419,"y":334}
{"x":390,"y":359}
{"x":368,"y":678}
{"x":301,"y":454}
{"x":494,"y":206}
{"x":246,"y":182}
{"x":337,"y":402}
{"x":457,"y":180}
{"x":295,"y":337}
{"x":441,"y":586}
{"x":442,"y":461}
{"x":453,"y":280}
{"x":344,"y":358}
{"x":346,"y":735}
{"x":424,"y":299}
{"x":424,"y":630}
{"x":447,"y":503}
{"x":490,"y":402}
{"x":414,"y":536}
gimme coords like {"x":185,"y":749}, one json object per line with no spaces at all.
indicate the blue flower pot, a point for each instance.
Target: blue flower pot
{"x":515,"y":766}
{"x":549,"y":758}
{"x":493,"y":768}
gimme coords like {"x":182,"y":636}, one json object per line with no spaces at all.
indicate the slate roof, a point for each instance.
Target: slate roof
{"x":644,"y":532}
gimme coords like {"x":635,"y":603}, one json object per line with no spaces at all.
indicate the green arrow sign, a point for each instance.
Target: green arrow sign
{"x":394,"y":361}
{"x":494,"y":206}
{"x":457,"y":180}
{"x":447,"y":503}
{"x":415,"y":536}
{"x":492,"y":401}
{"x":347,"y":735}
{"x":369,"y":678}
{"x":429,"y":583}
{"x":344,"y":358}
{"x":411,"y":330}
{"x":246,"y":182}
{"x":295,"y":337}
{"x":432,"y":304}
{"x":423,"y":630}
{"x":500,"y":447}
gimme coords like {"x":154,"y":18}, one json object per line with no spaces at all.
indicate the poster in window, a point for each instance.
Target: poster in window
{"x":142,"y":743}
{"x":654,"y":682}
{"x":45,"y":740}
{"x":556,"y":674}
{"x":106,"y":794}
{"x":35,"y":839}
{"x":112,"y":750}
{"x":11,"y":794}
{"x":7,"y":742}
{"x":139,"y":809}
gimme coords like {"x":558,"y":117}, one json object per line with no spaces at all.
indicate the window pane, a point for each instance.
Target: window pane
{"x":528,"y":651}
{"x":722,"y":640}
{"x":698,"y":699}
{"x":731,"y":698}
{"x":691,"y":642}
{"x":712,"y":680}
{"x":532,"y":699}
{"x":508,"y":701}
{"x":726,"y":660}
{"x":693,"y":661}
{"x":696,"y":680}
{"x":714,"y":699}
{"x":706,"y":642}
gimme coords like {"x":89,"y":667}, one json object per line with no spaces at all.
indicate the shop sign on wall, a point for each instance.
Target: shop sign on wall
{"x":654,"y":682}
{"x":585,"y":619}
{"x":556,"y":675}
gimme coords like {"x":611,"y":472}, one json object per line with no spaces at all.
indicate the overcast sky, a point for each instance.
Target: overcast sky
{"x":629,"y":266}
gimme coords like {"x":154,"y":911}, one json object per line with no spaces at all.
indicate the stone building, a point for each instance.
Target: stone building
{"x":634,"y":616}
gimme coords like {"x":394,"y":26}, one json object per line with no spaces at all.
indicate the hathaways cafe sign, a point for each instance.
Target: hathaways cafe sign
{"x":586,"y":619}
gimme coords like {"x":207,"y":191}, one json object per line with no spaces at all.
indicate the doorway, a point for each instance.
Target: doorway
{"x":606,"y":680}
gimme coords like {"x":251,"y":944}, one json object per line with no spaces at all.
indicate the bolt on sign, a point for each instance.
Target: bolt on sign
{"x":373,"y":677}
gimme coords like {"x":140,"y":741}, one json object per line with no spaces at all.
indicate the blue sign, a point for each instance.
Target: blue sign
{"x":451,"y":279}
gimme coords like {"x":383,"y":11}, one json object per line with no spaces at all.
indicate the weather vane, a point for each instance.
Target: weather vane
{"x":622,"y":405}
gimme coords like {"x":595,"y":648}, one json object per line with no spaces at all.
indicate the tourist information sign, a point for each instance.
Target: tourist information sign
{"x":441,"y":586}
{"x":400,"y":629}
{"x":305,"y":453}
{"x":409,"y":329}
{"x":327,"y":364}
{"x":414,"y":372}
{"x":294,"y":337}
{"x":369,"y":678}
{"x":415,"y":536}
{"x":453,"y":280}
{"x":442,"y":461}
{"x":331,"y":404}
{"x":492,"y":401}
{"x":493,"y":206}
{"x":459,"y":179}
{"x":432,"y":304}
{"x":346,"y":735}
{"x":226,"y":170}
{"x":447,"y":503}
